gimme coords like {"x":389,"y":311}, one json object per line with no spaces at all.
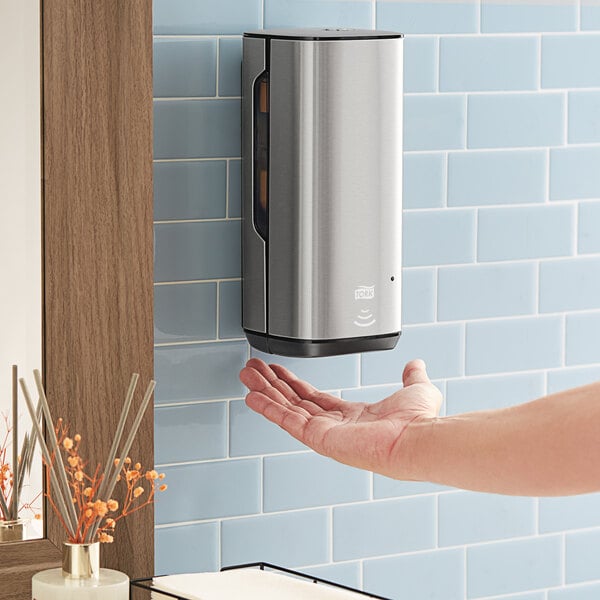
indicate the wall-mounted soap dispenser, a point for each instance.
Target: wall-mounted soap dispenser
{"x":322,"y":190}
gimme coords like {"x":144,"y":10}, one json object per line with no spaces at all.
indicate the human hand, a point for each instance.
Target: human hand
{"x":368,"y":436}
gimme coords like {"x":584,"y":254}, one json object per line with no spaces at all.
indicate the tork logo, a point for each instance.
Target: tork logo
{"x":364,"y":292}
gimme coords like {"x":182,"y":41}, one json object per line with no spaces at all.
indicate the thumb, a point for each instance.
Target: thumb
{"x":414,"y":372}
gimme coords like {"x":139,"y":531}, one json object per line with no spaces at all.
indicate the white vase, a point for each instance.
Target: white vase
{"x":80,"y":577}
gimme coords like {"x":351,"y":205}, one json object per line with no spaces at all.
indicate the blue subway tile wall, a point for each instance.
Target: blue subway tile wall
{"x":500,"y":296}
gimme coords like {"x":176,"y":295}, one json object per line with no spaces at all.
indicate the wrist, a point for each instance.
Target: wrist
{"x":415,"y":449}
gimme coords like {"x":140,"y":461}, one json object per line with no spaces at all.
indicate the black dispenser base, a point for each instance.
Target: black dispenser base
{"x":315,"y":348}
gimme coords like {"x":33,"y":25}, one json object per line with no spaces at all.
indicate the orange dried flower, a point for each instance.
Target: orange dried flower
{"x":137,"y":467}
{"x":79,"y":475}
{"x":138,"y":491}
{"x":163,"y":487}
{"x":100,"y":508}
{"x":110,"y":523}
{"x":67,"y":443}
{"x":77,"y":438}
{"x":87,"y":492}
{"x":105,"y":538}
{"x":73,"y":461}
{"x":151,"y":475}
{"x":112,"y":505}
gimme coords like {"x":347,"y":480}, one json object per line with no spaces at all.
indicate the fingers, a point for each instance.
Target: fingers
{"x":306,"y":391}
{"x":415,"y":372}
{"x":293,"y":422}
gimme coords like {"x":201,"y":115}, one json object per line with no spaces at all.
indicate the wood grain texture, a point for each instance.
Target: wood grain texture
{"x":98,"y":244}
{"x":98,"y":226}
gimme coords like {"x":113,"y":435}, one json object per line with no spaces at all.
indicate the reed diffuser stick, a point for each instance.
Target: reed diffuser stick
{"x":27,"y":450}
{"x":58,"y":495}
{"x":125,"y":450}
{"x":4,"y":508}
{"x":14,"y":501}
{"x":62,"y":474}
{"x":118,"y":435}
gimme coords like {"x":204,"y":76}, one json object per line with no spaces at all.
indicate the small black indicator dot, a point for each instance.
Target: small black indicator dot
{"x":392,"y":278}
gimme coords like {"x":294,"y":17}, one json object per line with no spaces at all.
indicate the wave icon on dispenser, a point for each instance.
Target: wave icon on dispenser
{"x":365,"y":318}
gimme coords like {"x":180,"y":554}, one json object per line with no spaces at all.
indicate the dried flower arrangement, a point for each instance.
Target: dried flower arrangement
{"x":15,"y":467}
{"x":84,"y":502}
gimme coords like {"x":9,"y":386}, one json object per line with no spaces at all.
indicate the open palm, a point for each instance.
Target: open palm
{"x":363,"y":435}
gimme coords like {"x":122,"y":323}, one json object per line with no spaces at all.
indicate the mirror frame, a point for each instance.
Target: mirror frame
{"x":97,"y":250}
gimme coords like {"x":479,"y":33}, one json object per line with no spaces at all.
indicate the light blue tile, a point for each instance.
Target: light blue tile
{"x":513,"y":566}
{"x":571,"y":512}
{"x":230,"y":309}
{"x":434,"y":122}
{"x":438,"y":237}
{"x":569,"y":61}
{"x":486,"y":393}
{"x":230,"y":66}
{"x":589,"y":226}
{"x":192,"y":432}
{"x":251,"y":434}
{"x":315,"y":13}
{"x":525,"y":232}
{"x":532,"y":596}
{"x":474,"y":292}
{"x":418,"y":296}
{"x":424,"y":184}
{"x":342,"y":573}
{"x":574,"y":173}
{"x":581,"y":557}
{"x":188,"y":549}
{"x":234,"y":208}
{"x":584,"y":117}
{"x":197,"y":128}
{"x":185,"y":68}
{"x":570,"y":284}
{"x":427,"y":17}
{"x":306,"y":480}
{"x":513,"y":345}
{"x":565,"y":379}
{"x":384,"y":487}
{"x":386,"y":527}
{"x":583,"y":333}
{"x":185,"y":312}
{"x":420,"y":64}
{"x":370,"y":394}
{"x":192,"y":251}
{"x":581,"y":592}
{"x":469,"y":517}
{"x":286,"y":540}
{"x":590,"y":15}
{"x":189,"y":190}
{"x":511,"y":120}
{"x":502,"y":177}
{"x":437,"y":575}
{"x":199,"y":372}
{"x":329,"y":373}
{"x":498,"y":16}
{"x":488,"y":63}
{"x":210,"y":490}
{"x":206,"y":16}
{"x":440,"y":346}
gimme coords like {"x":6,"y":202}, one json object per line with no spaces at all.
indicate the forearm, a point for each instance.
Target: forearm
{"x":548,"y":447}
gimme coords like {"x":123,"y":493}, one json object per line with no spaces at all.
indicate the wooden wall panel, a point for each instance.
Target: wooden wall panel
{"x":97,"y":131}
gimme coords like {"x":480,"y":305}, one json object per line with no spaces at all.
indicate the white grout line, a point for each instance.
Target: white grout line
{"x":179,"y":221}
{"x":330,"y":548}
{"x":192,"y":281}
{"x":563,"y":332}
{"x":195,"y":98}
{"x":207,"y":159}
{"x":563,"y":551}
{"x":575,"y":248}
{"x":566,"y":118}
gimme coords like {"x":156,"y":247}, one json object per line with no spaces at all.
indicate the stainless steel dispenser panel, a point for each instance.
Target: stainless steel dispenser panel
{"x":253,"y":245}
{"x":335,"y":207}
